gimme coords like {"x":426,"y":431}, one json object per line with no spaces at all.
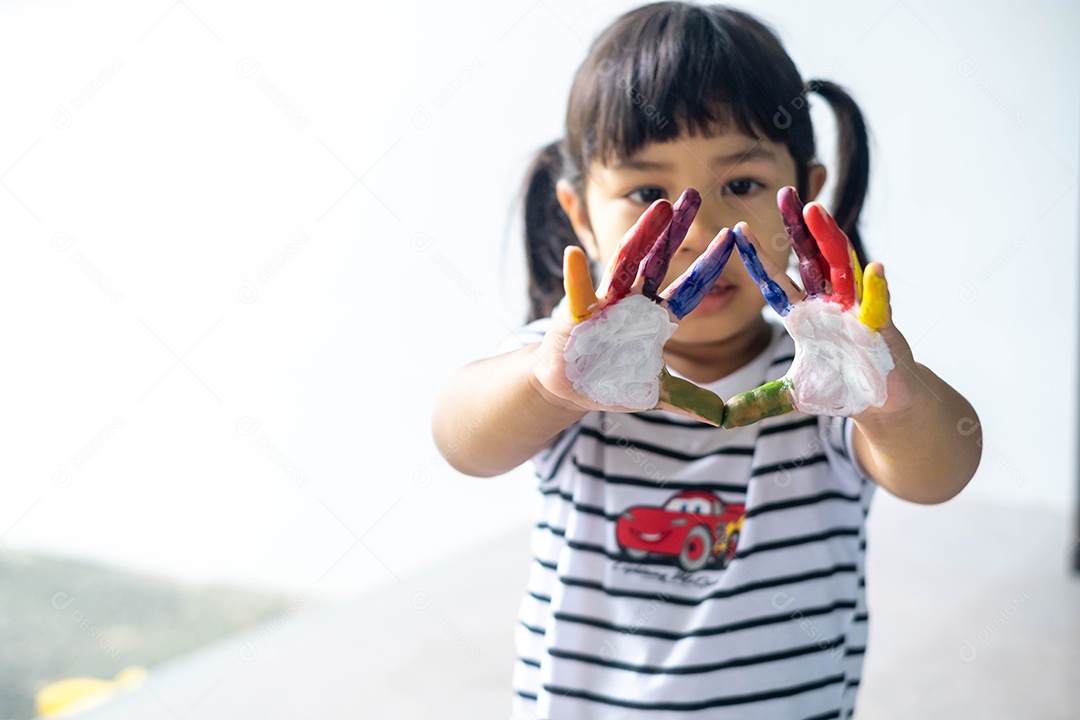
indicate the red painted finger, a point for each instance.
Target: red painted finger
{"x":622,"y":270}
{"x":836,"y":250}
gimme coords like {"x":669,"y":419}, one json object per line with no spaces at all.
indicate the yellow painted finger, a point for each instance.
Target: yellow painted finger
{"x":874,"y":311}
{"x":858,"y":275}
{"x":578,"y":283}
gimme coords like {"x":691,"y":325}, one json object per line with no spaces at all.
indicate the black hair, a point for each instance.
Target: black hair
{"x":673,"y":67}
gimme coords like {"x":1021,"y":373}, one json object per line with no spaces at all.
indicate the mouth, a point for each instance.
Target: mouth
{"x":717,"y":298}
{"x":720,"y":287}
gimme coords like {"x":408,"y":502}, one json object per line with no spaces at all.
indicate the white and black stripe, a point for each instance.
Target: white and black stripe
{"x":780,"y":632}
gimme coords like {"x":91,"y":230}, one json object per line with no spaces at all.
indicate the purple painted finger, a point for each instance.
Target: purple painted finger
{"x":622,"y":270}
{"x":812,"y":266}
{"x":686,"y":292}
{"x":655,"y":267}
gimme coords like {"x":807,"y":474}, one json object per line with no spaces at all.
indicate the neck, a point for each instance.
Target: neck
{"x":710,"y":361}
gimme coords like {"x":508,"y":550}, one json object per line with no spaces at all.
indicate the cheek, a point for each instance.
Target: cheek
{"x":776,"y":248}
{"x":608,"y":232}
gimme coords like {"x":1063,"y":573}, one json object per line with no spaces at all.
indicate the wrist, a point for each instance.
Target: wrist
{"x":557,"y":405}
{"x":907,"y":401}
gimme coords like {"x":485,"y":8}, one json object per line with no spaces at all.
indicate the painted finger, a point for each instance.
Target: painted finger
{"x":578,"y":283}
{"x":689,"y":399}
{"x":773,"y":293}
{"x":858,"y":276}
{"x":874,"y":311}
{"x":655,"y":266}
{"x":622,"y":270}
{"x":772,"y":398}
{"x":836,"y":249}
{"x":812,"y":266}
{"x":777,"y":273}
{"x":684,"y":294}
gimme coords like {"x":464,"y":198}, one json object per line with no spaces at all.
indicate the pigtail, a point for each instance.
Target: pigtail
{"x":547,"y":231}
{"x":854,"y":151}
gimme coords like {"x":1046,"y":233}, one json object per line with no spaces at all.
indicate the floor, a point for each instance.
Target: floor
{"x":64,"y":618}
{"x":975,"y":615}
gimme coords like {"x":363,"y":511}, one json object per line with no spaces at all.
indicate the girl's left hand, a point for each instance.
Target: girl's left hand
{"x":850,"y":360}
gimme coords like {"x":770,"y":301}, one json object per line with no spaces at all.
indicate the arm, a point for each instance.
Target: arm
{"x":495,"y":415}
{"x":926,"y":447}
{"x":914,"y":434}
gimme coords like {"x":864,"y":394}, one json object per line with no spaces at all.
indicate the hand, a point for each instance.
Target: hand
{"x":849,"y":358}
{"x":605,"y":350}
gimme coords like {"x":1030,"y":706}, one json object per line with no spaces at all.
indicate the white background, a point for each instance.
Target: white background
{"x":246,"y":243}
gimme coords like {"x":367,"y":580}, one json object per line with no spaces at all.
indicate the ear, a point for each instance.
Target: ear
{"x":817,"y":180}
{"x":574,"y":207}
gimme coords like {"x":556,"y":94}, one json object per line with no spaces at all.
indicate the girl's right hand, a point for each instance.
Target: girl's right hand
{"x":604,"y":350}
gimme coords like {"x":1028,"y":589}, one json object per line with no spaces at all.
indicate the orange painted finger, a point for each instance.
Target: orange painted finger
{"x":578,"y":283}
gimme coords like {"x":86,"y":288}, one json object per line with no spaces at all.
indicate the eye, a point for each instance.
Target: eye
{"x":742,"y":186}
{"x":646,"y":195}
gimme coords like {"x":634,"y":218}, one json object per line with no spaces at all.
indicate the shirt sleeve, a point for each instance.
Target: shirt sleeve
{"x":838,"y":436}
{"x":849,"y":447}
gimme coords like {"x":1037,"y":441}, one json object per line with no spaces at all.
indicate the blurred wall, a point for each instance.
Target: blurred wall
{"x":247,"y":242}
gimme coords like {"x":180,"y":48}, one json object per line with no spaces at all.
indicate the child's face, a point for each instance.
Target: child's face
{"x":738,"y":178}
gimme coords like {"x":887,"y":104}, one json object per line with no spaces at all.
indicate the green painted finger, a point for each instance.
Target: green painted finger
{"x":772,"y":398}
{"x":700,"y":403}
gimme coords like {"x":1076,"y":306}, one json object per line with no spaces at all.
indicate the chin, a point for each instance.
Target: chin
{"x":703,"y":330}
{"x":718,"y":327}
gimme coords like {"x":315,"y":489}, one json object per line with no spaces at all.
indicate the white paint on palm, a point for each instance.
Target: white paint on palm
{"x":840,"y":365}
{"x":616,"y":356}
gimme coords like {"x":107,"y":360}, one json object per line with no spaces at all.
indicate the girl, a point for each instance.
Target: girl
{"x":682,"y":569}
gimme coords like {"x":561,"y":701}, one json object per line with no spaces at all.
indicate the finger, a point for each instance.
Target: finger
{"x":655,"y":266}
{"x":875,"y":309}
{"x":812,"y":267}
{"x":772,"y":398}
{"x":773,"y":293}
{"x":686,"y":398}
{"x":578,"y":283}
{"x":836,"y":249}
{"x":684,"y":294}
{"x":622,"y":270}
{"x":858,"y":281}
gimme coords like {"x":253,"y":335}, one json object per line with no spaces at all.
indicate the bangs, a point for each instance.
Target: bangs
{"x":670,"y":68}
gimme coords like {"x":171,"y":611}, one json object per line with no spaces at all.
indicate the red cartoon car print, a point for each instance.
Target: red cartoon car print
{"x":694,"y":527}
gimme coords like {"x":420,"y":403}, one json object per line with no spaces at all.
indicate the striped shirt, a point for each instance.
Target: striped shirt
{"x":684,"y":571}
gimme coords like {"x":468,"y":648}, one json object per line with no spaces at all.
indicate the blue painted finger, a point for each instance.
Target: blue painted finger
{"x":773,"y":294}
{"x":696,"y":282}
{"x":655,"y":266}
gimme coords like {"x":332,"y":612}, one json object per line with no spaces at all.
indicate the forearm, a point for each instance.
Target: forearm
{"x":494,"y":415}
{"x":927,"y":452}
